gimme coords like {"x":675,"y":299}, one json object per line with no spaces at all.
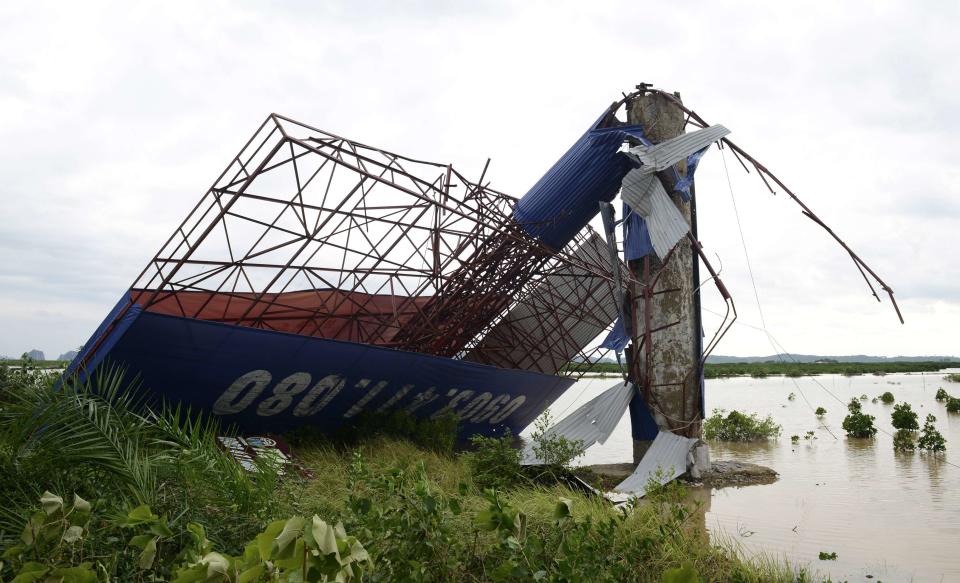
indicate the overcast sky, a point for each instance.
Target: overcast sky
{"x":114,"y":118}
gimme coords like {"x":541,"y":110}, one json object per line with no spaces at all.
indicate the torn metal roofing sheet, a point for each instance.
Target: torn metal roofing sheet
{"x":642,"y":190}
{"x":665,"y":223}
{"x":592,"y":422}
{"x":665,"y":461}
{"x":667,"y":153}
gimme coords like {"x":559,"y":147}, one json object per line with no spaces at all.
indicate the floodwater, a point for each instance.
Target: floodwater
{"x":892,"y":516}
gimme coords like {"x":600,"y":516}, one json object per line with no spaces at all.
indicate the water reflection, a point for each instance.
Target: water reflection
{"x":895,"y":516}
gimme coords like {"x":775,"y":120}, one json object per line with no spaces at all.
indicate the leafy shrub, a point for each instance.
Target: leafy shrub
{"x":49,"y":548}
{"x":903,"y":440}
{"x":930,"y":438}
{"x":810,"y":435}
{"x":825,"y":556}
{"x":794,"y":439}
{"x":791,"y":396}
{"x":903,"y":417}
{"x":551,"y":448}
{"x":857,"y":423}
{"x":887,"y":398}
{"x":820,"y":412}
{"x":942,"y":394}
{"x":737,"y":426}
{"x":952,"y":377}
{"x":495,"y":462}
{"x":953,"y":405}
{"x":296,"y":549}
{"x":105,"y":443}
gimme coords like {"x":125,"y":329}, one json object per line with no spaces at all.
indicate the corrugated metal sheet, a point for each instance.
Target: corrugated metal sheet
{"x":565,"y":199}
{"x":666,"y":460}
{"x":644,"y":193}
{"x":667,"y":153}
{"x":561,"y":316}
{"x":662,"y":223}
{"x":593,"y":422}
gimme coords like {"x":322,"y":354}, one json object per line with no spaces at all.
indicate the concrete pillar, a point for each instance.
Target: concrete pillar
{"x":667,"y":371}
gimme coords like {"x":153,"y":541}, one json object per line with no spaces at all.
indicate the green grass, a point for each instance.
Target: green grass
{"x":415,"y":509}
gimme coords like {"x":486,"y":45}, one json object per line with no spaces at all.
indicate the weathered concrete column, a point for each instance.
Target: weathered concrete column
{"x":666,"y":367}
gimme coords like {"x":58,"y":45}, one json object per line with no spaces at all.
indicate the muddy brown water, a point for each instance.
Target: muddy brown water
{"x":892,"y":516}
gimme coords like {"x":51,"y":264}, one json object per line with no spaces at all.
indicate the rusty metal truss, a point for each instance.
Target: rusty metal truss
{"x":310,"y":233}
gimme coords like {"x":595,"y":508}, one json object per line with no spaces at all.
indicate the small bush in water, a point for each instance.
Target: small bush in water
{"x":903,"y":440}
{"x":953,"y":377}
{"x":942,"y":395}
{"x":737,"y":426}
{"x":820,"y":412}
{"x":887,"y":398}
{"x":930,"y":438}
{"x":825,"y":556}
{"x":904,"y":418}
{"x":858,"y":423}
{"x":953,"y":405}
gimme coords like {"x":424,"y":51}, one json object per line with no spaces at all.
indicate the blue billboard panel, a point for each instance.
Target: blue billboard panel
{"x":266,"y":381}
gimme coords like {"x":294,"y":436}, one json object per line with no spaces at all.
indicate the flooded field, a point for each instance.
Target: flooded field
{"x":888,"y":516}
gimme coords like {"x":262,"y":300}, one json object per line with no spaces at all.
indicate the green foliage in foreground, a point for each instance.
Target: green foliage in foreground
{"x":737,"y":426}
{"x":858,"y":423}
{"x":166,"y":504}
{"x":553,"y":449}
{"x":887,"y":398}
{"x":495,"y":462}
{"x":942,"y":395}
{"x":292,"y":550}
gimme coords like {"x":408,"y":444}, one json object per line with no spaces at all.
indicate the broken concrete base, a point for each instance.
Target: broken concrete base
{"x":722,"y":474}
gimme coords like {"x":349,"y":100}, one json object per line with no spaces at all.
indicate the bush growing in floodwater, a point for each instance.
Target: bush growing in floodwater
{"x":820,"y":412}
{"x":737,"y":426}
{"x":887,"y":398}
{"x":930,"y":438}
{"x":952,"y":377}
{"x":953,"y":405}
{"x":903,"y":417}
{"x":942,"y":395}
{"x":903,"y":440}
{"x":858,"y":423}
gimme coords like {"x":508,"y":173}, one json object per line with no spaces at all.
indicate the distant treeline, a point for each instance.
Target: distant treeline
{"x":39,"y":364}
{"x":791,"y":369}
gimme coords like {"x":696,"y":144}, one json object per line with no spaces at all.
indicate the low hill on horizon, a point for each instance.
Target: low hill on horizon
{"x":806,"y":358}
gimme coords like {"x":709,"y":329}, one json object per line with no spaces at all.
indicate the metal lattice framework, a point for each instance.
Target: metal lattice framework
{"x":310,"y":233}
